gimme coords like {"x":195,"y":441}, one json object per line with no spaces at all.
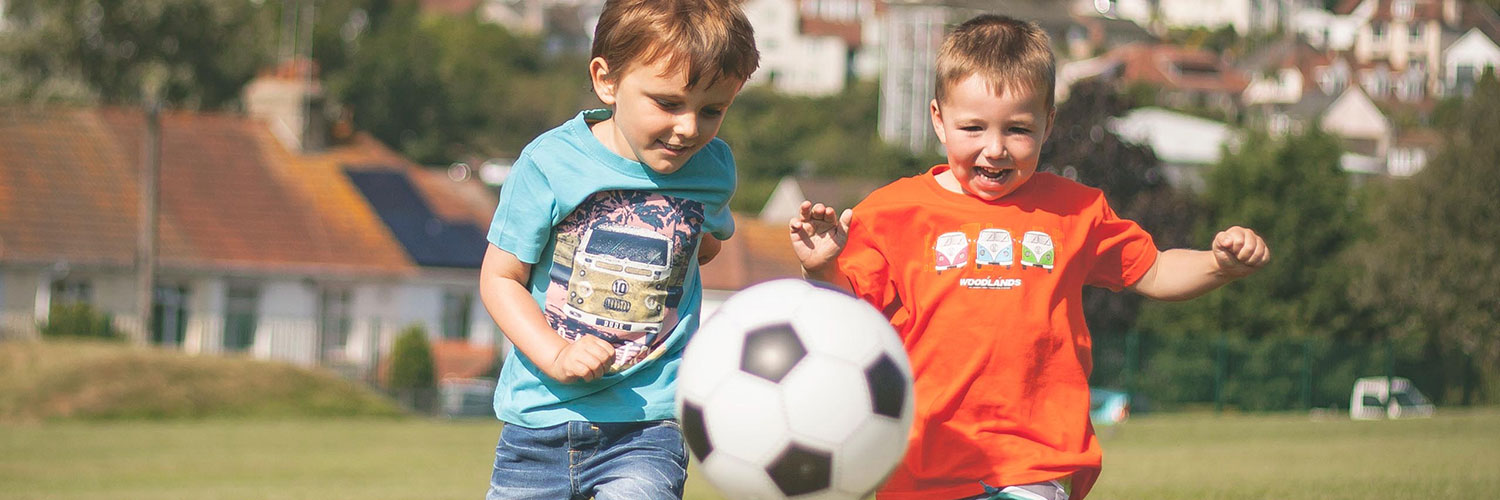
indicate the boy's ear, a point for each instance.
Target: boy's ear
{"x":1051,"y":120}
{"x":603,"y":82}
{"x":937,"y":121}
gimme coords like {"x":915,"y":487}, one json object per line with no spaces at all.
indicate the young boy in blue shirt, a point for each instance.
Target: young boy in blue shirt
{"x":592,"y":268}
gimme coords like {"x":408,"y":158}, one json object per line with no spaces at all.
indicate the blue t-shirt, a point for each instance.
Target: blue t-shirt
{"x":613,"y":247}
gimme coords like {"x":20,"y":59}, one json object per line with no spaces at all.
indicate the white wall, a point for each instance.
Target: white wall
{"x":17,"y":314}
{"x":1473,"y":49}
{"x":801,"y":64}
{"x":1284,"y":88}
{"x":205,"y":312}
{"x":287,"y":327}
{"x":1352,"y":115}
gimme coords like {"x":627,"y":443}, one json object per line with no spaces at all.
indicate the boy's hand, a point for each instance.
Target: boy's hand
{"x":581,"y":360}
{"x":1240,"y":252}
{"x":818,"y":235}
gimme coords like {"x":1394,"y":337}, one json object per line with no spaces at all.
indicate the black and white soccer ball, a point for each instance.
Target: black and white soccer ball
{"x":794,"y":390}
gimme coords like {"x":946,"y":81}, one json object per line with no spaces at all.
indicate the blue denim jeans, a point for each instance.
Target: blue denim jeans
{"x":581,"y":460}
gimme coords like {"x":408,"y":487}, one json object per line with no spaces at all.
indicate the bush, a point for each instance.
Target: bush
{"x":411,"y":361}
{"x":411,"y":378}
{"x":79,"y":320}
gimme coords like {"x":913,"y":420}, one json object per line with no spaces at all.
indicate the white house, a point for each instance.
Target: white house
{"x":297,"y":247}
{"x":1467,"y":59}
{"x":1245,"y":16}
{"x":810,"y":47}
{"x":1186,"y":145}
{"x":1328,"y":30}
{"x":1356,"y":119}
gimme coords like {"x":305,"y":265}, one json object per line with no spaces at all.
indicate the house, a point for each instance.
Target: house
{"x":758,"y":252}
{"x":273,"y":240}
{"x":1466,"y":59}
{"x":566,"y":25}
{"x":1245,"y":16}
{"x":790,"y":192}
{"x":1353,"y":117}
{"x":1410,"y":152}
{"x":1400,"y":48}
{"x":813,"y":47}
{"x":1187,"y":146}
{"x":1182,"y":77}
{"x":1291,"y":84}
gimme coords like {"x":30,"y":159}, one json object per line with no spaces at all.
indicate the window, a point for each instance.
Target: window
{"x":1402,"y":9}
{"x":169,"y":315}
{"x":456,"y":307}
{"x":241,"y":314}
{"x":72,"y":291}
{"x":1414,"y":33}
{"x":1377,"y":32}
{"x":333,"y":322}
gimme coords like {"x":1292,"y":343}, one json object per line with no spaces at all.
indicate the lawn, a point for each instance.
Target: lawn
{"x":1188,"y":456}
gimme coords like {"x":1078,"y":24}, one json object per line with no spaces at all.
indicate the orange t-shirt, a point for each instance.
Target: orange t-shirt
{"x":987,"y":297}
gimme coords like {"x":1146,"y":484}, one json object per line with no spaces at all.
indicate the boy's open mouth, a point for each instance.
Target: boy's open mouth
{"x":994,"y":174}
{"x":673,"y":148}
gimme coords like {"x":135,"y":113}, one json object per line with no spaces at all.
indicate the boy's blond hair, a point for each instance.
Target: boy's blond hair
{"x":1011,"y":55}
{"x":706,"y":38}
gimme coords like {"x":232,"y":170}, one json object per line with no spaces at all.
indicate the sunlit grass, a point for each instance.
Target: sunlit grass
{"x":1186,"y":457}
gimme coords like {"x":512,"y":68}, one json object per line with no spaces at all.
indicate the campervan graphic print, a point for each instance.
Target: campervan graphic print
{"x":952,"y":251}
{"x":1036,"y":250}
{"x":993,"y":247}
{"x":618,"y":269}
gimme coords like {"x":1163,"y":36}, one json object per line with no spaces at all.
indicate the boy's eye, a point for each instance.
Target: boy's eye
{"x":971,"y":128}
{"x":712,"y":112}
{"x":665,"y":104}
{"x":1020,"y":130}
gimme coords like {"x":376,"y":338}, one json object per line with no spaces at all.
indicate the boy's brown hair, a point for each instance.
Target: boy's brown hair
{"x":1011,"y":55}
{"x":707,"y":38}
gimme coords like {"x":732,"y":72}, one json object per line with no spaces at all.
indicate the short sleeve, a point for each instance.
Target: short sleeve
{"x":719,"y":221}
{"x":523,"y":220}
{"x":866,"y":267}
{"x":1123,"y":251}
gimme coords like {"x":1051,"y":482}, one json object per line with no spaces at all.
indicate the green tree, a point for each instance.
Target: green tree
{"x":440,"y":88}
{"x":1082,"y":145}
{"x":1293,"y":192}
{"x":199,"y":53}
{"x":775,"y":135}
{"x":1431,"y":275}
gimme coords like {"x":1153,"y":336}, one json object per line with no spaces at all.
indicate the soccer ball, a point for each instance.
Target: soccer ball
{"x":795,"y":390}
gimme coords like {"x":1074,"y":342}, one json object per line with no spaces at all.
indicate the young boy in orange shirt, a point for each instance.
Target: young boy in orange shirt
{"x":980,"y":265}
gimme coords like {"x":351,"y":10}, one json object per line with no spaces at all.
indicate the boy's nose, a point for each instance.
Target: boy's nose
{"x":687,"y":125}
{"x":995,"y":148}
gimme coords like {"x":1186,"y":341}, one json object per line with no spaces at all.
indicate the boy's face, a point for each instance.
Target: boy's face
{"x":993,"y":141}
{"x":657,"y":120}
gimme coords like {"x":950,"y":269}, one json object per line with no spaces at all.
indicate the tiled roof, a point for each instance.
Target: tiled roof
{"x":231,"y":198}
{"x":1178,"y":68}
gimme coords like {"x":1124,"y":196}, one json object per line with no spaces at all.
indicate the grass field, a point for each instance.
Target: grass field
{"x":1188,"y":457}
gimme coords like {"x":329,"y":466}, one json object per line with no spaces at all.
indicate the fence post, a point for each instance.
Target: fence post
{"x":1307,"y":374}
{"x":1219,"y":368}
{"x":1132,"y":349}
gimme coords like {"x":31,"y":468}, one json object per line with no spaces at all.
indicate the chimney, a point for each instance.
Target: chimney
{"x":1452,"y":13}
{"x":289,"y":99}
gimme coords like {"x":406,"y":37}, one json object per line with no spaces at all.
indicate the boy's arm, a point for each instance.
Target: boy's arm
{"x":502,"y":288}
{"x":1180,"y":274}
{"x":818,"y":237}
{"x":709,"y":248}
